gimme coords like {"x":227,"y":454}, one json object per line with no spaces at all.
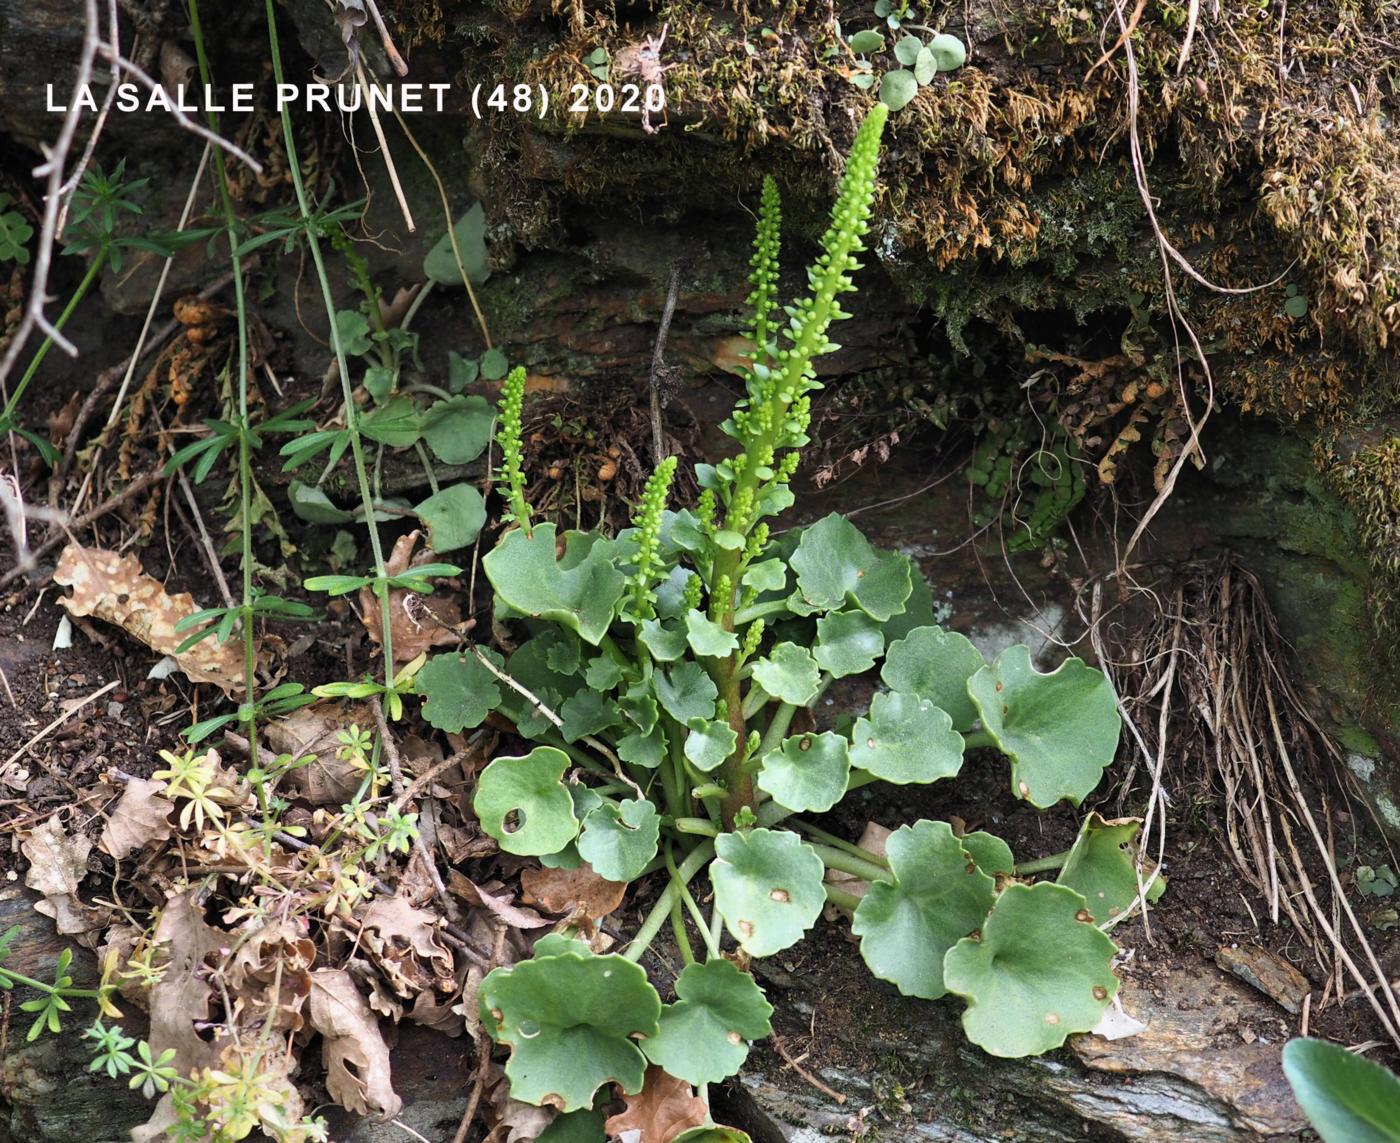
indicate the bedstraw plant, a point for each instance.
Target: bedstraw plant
{"x":658,"y":675}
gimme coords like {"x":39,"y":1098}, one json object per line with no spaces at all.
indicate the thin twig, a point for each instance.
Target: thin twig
{"x":781,"y":1049}
{"x":384,"y":147}
{"x":55,"y":724}
{"x":483,"y":1051}
{"x":658,"y":366}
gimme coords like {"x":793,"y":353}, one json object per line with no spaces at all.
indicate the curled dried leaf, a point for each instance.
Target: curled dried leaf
{"x":352,"y":1048}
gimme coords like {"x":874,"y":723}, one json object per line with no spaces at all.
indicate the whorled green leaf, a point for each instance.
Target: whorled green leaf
{"x":453,"y":516}
{"x":808,"y":774}
{"x":620,"y":840}
{"x":686,"y":691}
{"x":836,"y":566}
{"x":525,"y":573}
{"x":1060,"y":730}
{"x":459,"y":428}
{"x":704,"y":1035}
{"x":935,"y":664}
{"x":992,"y":855}
{"x":1102,"y":867}
{"x":569,"y":1020}
{"x":707,"y":637}
{"x":848,"y":643}
{"x":709,"y":742}
{"x":523,"y":803}
{"x":938,"y":896}
{"x":458,"y":692}
{"x":768,"y":888}
{"x":1347,"y":1098}
{"x":789,"y":674}
{"x":906,"y":739}
{"x":1040,"y":972}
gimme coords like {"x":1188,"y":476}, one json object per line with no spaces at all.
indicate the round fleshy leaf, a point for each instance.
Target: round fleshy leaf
{"x":836,"y":565}
{"x":707,"y":637}
{"x":458,"y":429}
{"x":935,"y":664}
{"x":453,"y":517}
{"x":809,"y":773}
{"x":848,"y":643}
{"x":709,"y":742}
{"x":898,"y":88}
{"x":575,"y":1127}
{"x":949,"y":52}
{"x":686,"y":691}
{"x":938,"y":897}
{"x":715,"y":1134}
{"x":789,"y":674}
{"x":768,"y":888}
{"x":457,"y":692}
{"x":582,"y":597}
{"x":1347,"y":1098}
{"x":666,"y":643}
{"x":1039,"y":973}
{"x":906,"y":739}
{"x":619,"y":841}
{"x":992,"y":855}
{"x":587,"y":712}
{"x":1102,"y":867}
{"x":705,"y":1034}
{"x":524,"y":804}
{"x":1060,"y":730}
{"x":569,"y":1020}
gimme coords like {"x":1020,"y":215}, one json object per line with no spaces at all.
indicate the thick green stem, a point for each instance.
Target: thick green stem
{"x":777,"y":729}
{"x":834,"y":858}
{"x":977,"y":739}
{"x":1043,"y":864}
{"x":662,"y":909}
{"x":820,"y":835}
{"x":841,"y":899}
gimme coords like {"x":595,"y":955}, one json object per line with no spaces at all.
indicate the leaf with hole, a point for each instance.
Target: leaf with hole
{"x":768,"y":888}
{"x":704,"y":1035}
{"x":809,"y":773}
{"x":937,"y":897}
{"x":526,"y":574}
{"x":619,"y":841}
{"x":935,"y":664}
{"x":523,"y":803}
{"x":1102,"y":867}
{"x":836,"y":565}
{"x":1346,"y":1097}
{"x":458,"y":692}
{"x":789,"y":674}
{"x":1060,"y":730}
{"x":454,"y":517}
{"x":906,"y":739}
{"x":1039,"y":972}
{"x":848,"y":643}
{"x":458,"y":429}
{"x":440,"y":264}
{"x":569,"y":1020}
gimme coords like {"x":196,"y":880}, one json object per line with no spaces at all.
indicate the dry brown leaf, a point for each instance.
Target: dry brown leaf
{"x":431,"y":1013}
{"x":353,"y":1050}
{"x":663,"y":1109}
{"x":498,"y":903}
{"x":417,"y":623}
{"x":113,"y":588}
{"x":183,"y":997}
{"x":276,"y":956}
{"x":57,"y":864}
{"x":311,"y":730}
{"x":402,"y":940}
{"x":523,"y":1122}
{"x":140,"y":817}
{"x":569,"y":890}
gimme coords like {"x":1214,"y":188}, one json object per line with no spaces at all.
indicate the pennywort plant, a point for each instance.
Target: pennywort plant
{"x":658,"y":675}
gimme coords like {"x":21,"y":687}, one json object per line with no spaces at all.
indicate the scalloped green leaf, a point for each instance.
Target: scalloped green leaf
{"x":1060,"y":730}
{"x":848,"y":643}
{"x":709,"y":742}
{"x":643,"y":749}
{"x":768,"y":888}
{"x":459,"y":428}
{"x":686,"y":691}
{"x":836,"y":565}
{"x":619,"y":841}
{"x":666,"y":643}
{"x":454,"y":517}
{"x":523,"y":803}
{"x":1038,"y":973}
{"x":713,"y":1134}
{"x":1102,"y":867}
{"x":457,"y":691}
{"x":809,"y":773}
{"x":789,"y":674}
{"x":525,"y":573}
{"x":1347,"y":1098}
{"x":704,"y":1035}
{"x":575,"y":1127}
{"x":569,"y":1020}
{"x":906,"y":739}
{"x":587,"y":712}
{"x":935,"y":664}
{"x":707,"y":637}
{"x":992,"y":855}
{"x":938,"y":896}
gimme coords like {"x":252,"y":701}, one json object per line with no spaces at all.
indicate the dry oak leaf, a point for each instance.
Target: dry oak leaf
{"x":113,"y":588}
{"x":523,"y":1122}
{"x":310,"y":732}
{"x":417,"y":623}
{"x":497,"y":903}
{"x":352,"y":1047}
{"x":183,"y":997}
{"x":141,"y":816}
{"x":402,"y":941}
{"x":663,"y":1109}
{"x":277,"y":956}
{"x":572,"y":890}
{"x":57,"y":864}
